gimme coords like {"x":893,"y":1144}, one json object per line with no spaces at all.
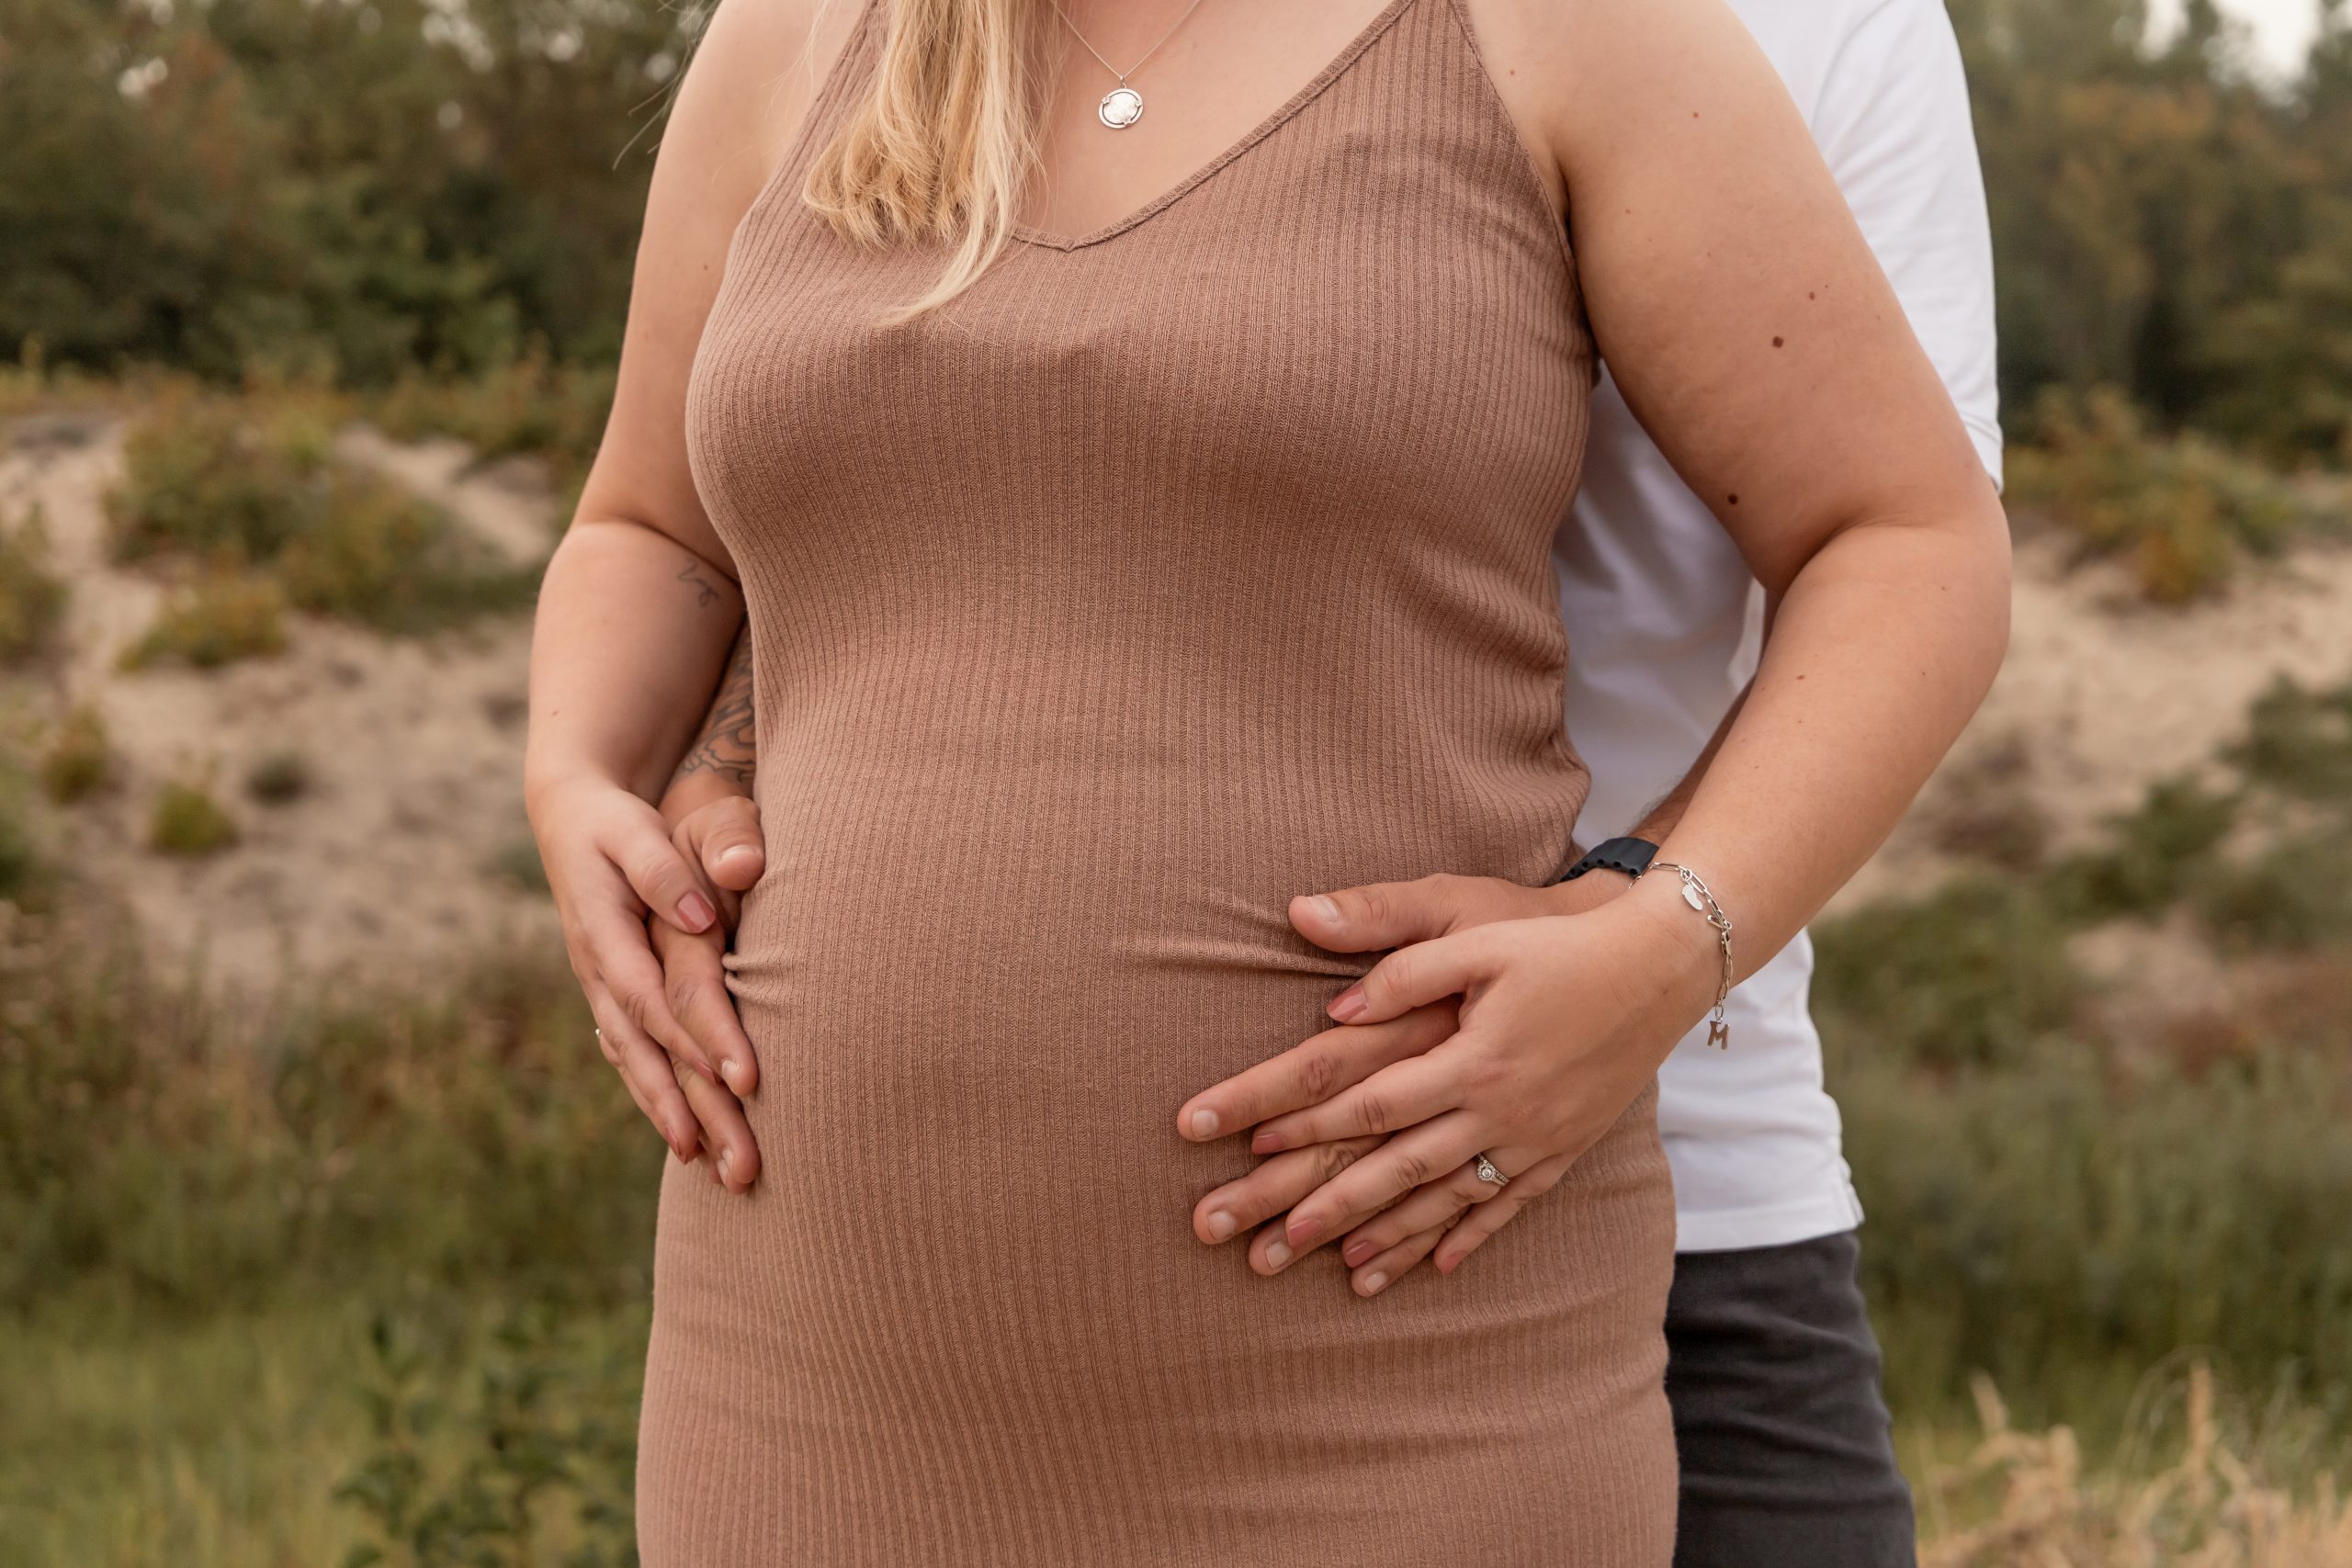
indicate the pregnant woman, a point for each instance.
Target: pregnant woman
{"x":1135,"y":434}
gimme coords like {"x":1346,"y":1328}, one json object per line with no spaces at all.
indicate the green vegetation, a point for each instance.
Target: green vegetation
{"x":279,"y":779}
{"x":2052,"y":1203}
{"x":222,"y":615}
{"x":189,"y":822}
{"x":2180,"y":510}
{"x":251,"y":488}
{"x":32,"y":600}
{"x":78,"y":760}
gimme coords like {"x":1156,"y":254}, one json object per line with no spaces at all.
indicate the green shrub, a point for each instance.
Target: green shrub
{"x":189,"y":822}
{"x":2063,"y":1227}
{"x":78,"y":760}
{"x":531,"y":406}
{"x":2153,"y":854}
{"x":1976,"y":974}
{"x":219,"y":478}
{"x":159,"y":1154}
{"x":32,"y":600}
{"x":24,"y":871}
{"x":376,"y":555}
{"x":2299,"y":742}
{"x":2297,"y":894}
{"x":251,"y":488}
{"x":279,"y":778}
{"x":2182,"y":511}
{"x":220,"y":617}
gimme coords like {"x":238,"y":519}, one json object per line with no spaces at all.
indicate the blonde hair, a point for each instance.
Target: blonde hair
{"x":940,"y":148}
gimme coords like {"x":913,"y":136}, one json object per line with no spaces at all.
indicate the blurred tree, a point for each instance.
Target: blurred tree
{"x":372,"y":189}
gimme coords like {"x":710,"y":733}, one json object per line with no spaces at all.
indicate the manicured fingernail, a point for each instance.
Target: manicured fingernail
{"x":1372,"y":1284}
{"x":1265,"y":1141}
{"x":1348,"y":1004}
{"x":1302,"y":1232}
{"x":1221,"y":1225}
{"x":1205,"y":1124}
{"x":695,"y":911}
{"x":726,"y":1165}
{"x":1356,"y":1252}
{"x":737,"y":853}
{"x":1326,"y":910}
{"x":732,"y":1071}
{"x":1277,"y":1256}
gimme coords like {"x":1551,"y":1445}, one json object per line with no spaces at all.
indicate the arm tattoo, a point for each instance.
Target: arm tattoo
{"x":729,"y":742}
{"x":693,"y":575}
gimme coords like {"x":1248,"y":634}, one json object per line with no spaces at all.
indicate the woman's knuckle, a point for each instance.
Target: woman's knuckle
{"x":1372,"y":1111}
{"x":1412,"y":1168}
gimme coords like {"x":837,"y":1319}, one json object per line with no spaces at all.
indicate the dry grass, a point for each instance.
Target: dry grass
{"x":2212,"y":1507}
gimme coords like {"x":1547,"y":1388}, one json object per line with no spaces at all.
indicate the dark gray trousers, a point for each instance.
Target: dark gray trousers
{"x":1788,"y":1454}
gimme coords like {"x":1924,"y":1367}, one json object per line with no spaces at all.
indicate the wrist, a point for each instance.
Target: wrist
{"x":689,"y":793}
{"x":1689,"y":951}
{"x":546,"y":784}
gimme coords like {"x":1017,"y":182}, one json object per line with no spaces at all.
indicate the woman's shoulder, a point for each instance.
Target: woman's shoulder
{"x":754,"y":72}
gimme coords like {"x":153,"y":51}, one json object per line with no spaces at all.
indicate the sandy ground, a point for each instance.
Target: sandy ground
{"x":392,"y":859}
{"x":401,"y":851}
{"x":2102,"y":695}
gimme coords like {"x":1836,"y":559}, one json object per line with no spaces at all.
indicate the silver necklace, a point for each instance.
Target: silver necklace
{"x":1121,"y":105}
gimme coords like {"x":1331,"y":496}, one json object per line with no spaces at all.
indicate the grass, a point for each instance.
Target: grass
{"x":223,"y":615}
{"x":2183,"y":512}
{"x":78,"y":762}
{"x":187,"y":822}
{"x":32,"y":598}
{"x":532,"y":407}
{"x":366,"y":1271}
{"x":2216,"y":1498}
{"x":280,"y":778}
{"x":249,"y":489}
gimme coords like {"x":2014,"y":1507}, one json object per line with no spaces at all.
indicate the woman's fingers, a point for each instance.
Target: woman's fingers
{"x":1309,"y":1073}
{"x":646,"y":1068}
{"x":1416,"y":976}
{"x":1377,"y":1273}
{"x":726,"y":1133}
{"x":618,"y":956}
{"x":694,"y":981}
{"x":670,"y":885}
{"x":1271,"y":1188}
{"x":1487,"y":1218}
{"x":1396,"y":1097}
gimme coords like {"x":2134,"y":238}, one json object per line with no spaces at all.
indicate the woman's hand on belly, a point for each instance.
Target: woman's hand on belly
{"x":1570,"y":998}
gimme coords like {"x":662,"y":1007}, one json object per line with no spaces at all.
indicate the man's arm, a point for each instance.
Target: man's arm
{"x":724,"y":757}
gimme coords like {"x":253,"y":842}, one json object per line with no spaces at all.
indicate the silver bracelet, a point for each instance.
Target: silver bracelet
{"x":1695,"y":894}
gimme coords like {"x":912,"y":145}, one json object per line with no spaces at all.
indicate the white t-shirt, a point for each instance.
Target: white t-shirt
{"x":1664,"y":620}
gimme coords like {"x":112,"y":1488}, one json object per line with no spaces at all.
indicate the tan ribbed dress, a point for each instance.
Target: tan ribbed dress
{"x":1176,"y":569}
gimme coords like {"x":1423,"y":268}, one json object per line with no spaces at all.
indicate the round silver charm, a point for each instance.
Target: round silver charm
{"x":1120,"y":108}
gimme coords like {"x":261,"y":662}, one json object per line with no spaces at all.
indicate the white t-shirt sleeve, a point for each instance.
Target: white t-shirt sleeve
{"x":1893,"y":121}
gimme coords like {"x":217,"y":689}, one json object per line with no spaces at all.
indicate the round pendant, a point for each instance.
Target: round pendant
{"x":1120,"y":108}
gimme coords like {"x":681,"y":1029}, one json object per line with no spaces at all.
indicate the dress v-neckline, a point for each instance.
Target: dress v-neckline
{"x":1262,"y":129}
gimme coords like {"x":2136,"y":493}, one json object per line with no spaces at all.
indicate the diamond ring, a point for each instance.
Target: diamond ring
{"x":1489,"y":1175}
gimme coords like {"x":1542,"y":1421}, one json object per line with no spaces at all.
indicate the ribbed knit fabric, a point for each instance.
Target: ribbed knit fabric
{"x":1178,"y":569}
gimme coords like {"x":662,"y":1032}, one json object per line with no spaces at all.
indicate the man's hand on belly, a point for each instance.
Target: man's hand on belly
{"x":1375,"y":1143}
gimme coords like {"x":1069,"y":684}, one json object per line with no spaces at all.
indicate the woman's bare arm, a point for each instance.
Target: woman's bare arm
{"x":641,"y":606}
{"x":1753,"y":334}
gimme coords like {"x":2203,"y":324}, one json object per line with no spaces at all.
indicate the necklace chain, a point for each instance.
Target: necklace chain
{"x":1123,"y":76}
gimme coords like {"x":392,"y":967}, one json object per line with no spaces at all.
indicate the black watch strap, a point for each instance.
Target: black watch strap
{"x":1631,"y":856}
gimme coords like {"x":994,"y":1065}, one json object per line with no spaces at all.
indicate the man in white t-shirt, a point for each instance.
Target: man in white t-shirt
{"x":1772,"y":1371}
